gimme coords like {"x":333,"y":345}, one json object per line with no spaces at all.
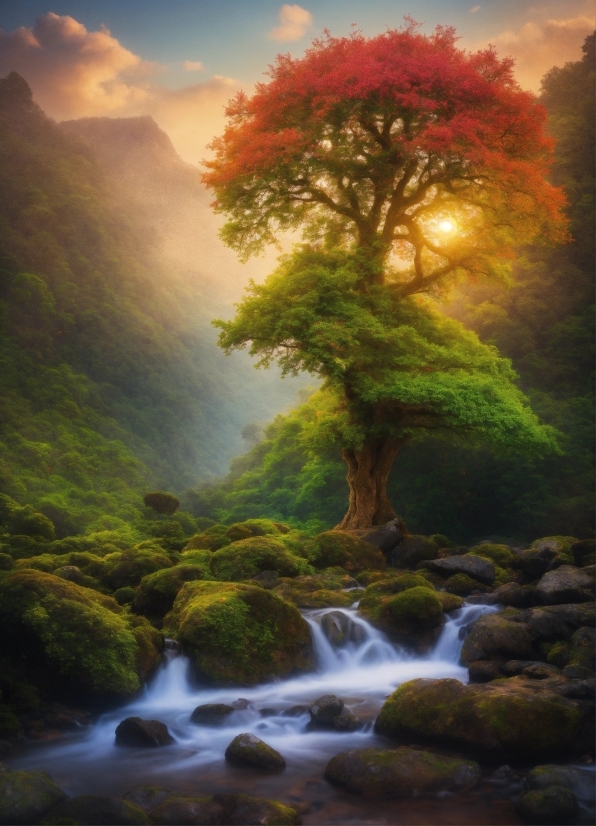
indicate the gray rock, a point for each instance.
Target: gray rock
{"x":325,"y":709}
{"x":340,"y":629}
{"x":541,"y":671}
{"x":518,"y":596}
{"x":541,"y":777}
{"x":474,"y":566}
{"x":188,"y":811}
{"x":414,"y":549}
{"x":346,"y":721}
{"x":566,"y":584}
{"x":513,"y":668}
{"x":401,"y":772}
{"x":133,"y":731}
{"x":147,"y":798}
{"x":583,"y":647}
{"x":211,"y":714}
{"x":555,"y":805}
{"x":538,"y":560}
{"x":484,"y":671}
{"x":93,"y":810}
{"x":25,"y":797}
{"x":384,"y":537}
{"x":247,"y":749}
{"x":243,"y":809}
{"x":494,"y":637}
{"x":544,"y":625}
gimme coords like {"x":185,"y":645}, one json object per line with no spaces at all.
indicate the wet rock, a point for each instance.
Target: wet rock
{"x":268,"y":712}
{"x":474,"y":566}
{"x":133,"y":731}
{"x":93,"y":810}
{"x":247,"y":749}
{"x":566,"y":584}
{"x":241,"y":703}
{"x":147,"y":798}
{"x":340,"y":629}
{"x":412,"y":550}
{"x":541,"y":671}
{"x":484,"y":671}
{"x":577,"y":689}
{"x":463,"y":585}
{"x":384,"y":537}
{"x":211,"y":714}
{"x":537,"y":561}
{"x":401,"y":772}
{"x":554,"y":805}
{"x":243,"y":809}
{"x":413,"y":616}
{"x":518,"y":596}
{"x":25,"y":797}
{"x":541,"y":777}
{"x":324,"y":710}
{"x":188,"y":811}
{"x":449,"y":602}
{"x":518,"y":717}
{"x":513,"y":668}
{"x":583,"y":644}
{"x":495,"y":638}
{"x":346,"y":721}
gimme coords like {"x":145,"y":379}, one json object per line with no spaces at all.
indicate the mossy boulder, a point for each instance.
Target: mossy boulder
{"x":224,"y":808}
{"x":248,"y":557}
{"x":400,"y":772}
{"x":340,"y":548}
{"x":513,"y":718}
{"x":156,"y":594}
{"x":255,"y":527}
{"x":413,"y":550}
{"x":94,"y":810}
{"x":25,"y":797}
{"x":411,"y":613}
{"x":450,"y":602}
{"x":129,"y":567}
{"x":554,"y":805}
{"x":494,"y":637}
{"x":249,"y":750}
{"x":211,"y":539}
{"x":239,"y":634}
{"x":323,"y":590}
{"x":74,"y":640}
{"x":501,"y":555}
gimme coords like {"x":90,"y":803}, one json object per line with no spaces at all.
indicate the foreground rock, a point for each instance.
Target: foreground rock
{"x":93,"y":810}
{"x":473,"y":566}
{"x":496,"y":638}
{"x":554,"y":805}
{"x":516,"y":718}
{"x":401,"y":772}
{"x":384,"y":537}
{"x":189,"y":811}
{"x":324,"y":710}
{"x":340,"y":629}
{"x":219,"y":810}
{"x":25,"y":797}
{"x":247,"y":749}
{"x":211,"y":714}
{"x":243,"y":809}
{"x":133,"y":731}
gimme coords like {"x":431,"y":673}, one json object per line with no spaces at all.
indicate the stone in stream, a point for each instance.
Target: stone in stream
{"x":400,"y":772}
{"x":566,"y":584}
{"x":190,"y":811}
{"x":346,"y":721}
{"x":340,"y":629}
{"x":25,"y":797}
{"x":475,"y":567}
{"x":555,"y":805}
{"x":211,"y":714}
{"x":495,"y":637}
{"x":243,"y":810}
{"x":93,"y":810}
{"x":324,"y":710}
{"x":147,"y":798}
{"x":133,"y":731}
{"x":249,"y":750}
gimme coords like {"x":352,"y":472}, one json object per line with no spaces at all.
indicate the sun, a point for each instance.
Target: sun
{"x":447,"y":226}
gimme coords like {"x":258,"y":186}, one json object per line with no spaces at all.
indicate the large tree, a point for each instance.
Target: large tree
{"x":407,"y":163}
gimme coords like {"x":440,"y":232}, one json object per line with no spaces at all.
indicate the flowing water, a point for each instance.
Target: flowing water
{"x":363,"y":672}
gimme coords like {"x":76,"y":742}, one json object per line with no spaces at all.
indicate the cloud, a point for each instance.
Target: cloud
{"x":192,"y":65}
{"x":474,"y":9}
{"x":294,"y":22}
{"x":77,"y":73}
{"x":537,"y":47}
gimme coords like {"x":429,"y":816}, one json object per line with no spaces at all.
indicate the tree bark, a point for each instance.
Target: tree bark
{"x":368,"y":472}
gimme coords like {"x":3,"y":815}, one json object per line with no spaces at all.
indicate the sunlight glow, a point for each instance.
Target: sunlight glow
{"x":447,"y":226}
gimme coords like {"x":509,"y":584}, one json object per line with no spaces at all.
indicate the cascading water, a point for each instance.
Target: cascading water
{"x":363,"y":667}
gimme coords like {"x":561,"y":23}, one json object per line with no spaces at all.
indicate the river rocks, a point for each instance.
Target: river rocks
{"x":384,"y":537}
{"x":412,"y":550}
{"x":401,"y":772}
{"x":248,"y":557}
{"x":346,"y":721}
{"x":518,"y":717}
{"x":325,"y":709}
{"x":247,"y":749}
{"x":243,"y":809}
{"x":474,"y":566}
{"x":494,"y":637}
{"x":513,"y":594}
{"x":541,"y":777}
{"x":581,"y":653}
{"x":211,"y":714}
{"x":463,"y":585}
{"x":566,"y":584}
{"x":156,"y":593}
{"x":188,"y":811}
{"x":554,"y":805}
{"x":25,"y":797}
{"x":344,"y":549}
{"x":413,"y":616}
{"x":93,"y":810}
{"x":147,"y":798}
{"x":133,"y":731}
{"x":239,"y":634}
{"x":340,"y":629}
{"x":324,"y":590}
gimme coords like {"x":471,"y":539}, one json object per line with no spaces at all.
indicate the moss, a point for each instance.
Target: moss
{"x":463,"y":585}
{"x":239,"y":634}
{"x":6,"y":562}
{"x":211,"y":539}
{"x":449,"y":602}
{"x":346,"y":551}
{"x":170,"y":534}
{"x":253,"y":527}
{"x":557,"y":653}
{"x":129,"y":567}
{"x":414,"y":610}
{"x":499,"y":554}
{"x":248,"y":557}
{"x":124,"y":596}
{"x":441,"y":541}
{"x":372,"y":599}
{"x":156,"y":594}
{"x":563,"y":545}
{"x":315,"y":592}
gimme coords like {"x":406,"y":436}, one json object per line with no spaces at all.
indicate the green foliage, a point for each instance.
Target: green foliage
{"x":161,"y":502}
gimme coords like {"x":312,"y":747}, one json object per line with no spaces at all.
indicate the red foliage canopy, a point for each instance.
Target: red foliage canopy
{"x":402,"y":143}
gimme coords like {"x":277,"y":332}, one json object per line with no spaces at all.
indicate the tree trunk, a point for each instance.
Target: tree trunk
{"x":368,"y":472}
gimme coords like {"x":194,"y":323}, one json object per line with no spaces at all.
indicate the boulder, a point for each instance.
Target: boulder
{"x":133,"y":731}
{"x":494,"y":637}
{"x":346,"y":721}
{"x":147,"y":798}
{"x":484,"y":671}
{"x":517,"y":718}
{"x":25,"y":797}
{"x":248,"y":557}
{"x":156,"y":593}
{"x":463,"y":585}
{"x":340,"y":629}
{"x":541,"y":777}
{"x":93,"y":810}
{"x":537,"y":561}
{"x":518,"y":596}
{"x":566,"y":584}
{"x":581,"y":654}
{"x":400,"y":772}
{"x":243,"y":809}
{"x":324,"y":710}
{"x":413,"y":617}
{"x":211,"y":714}
{"x":412,"y":550}
{"x":344,"y":549}
{"x":247,"y":749}
{"x":384,"y":537}
{"x":554,"y":805}
{"x":188,"y":811}
{"x":475,"y":567}
{"x":323,"y":590}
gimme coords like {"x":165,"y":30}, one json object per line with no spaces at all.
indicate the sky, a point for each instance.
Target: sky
{"x":181,"y":60}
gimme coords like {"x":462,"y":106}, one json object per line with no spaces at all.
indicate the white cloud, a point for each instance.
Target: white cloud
{"x":475,"y":9}
{"x":192,"y":65}
{"x":294,"y":22}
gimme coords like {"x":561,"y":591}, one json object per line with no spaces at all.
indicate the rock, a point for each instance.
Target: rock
{"x":346,"y":721}
{"x":484,"y":671}
{"x":566,"y":584}
{"x":537,"y":561}
{"x":248,"y":557}
{"x":583,"y":644}
{"x":211,"y":714}
{"x":325,"y":709}
{"x":517,"y":718}
{"x":133,"y":731}
{"x":25,"y":797}
{"x":323,"y":590}
{"x":518,"y":596}
{"x":474,"y":566}
{"x":243,"y":809}
{"x":541,"y":777}
{"x":463,"y":585}
{"x":401,"y":772}
{"x":147,"y":798}
{"x":449,"y":602}
{"x":501,"y":555}
{"x":554,"y":805}
{"x":583,"y":549}
{"x":348,"y":551}
{"x":295,"y":711}
{"x":412,"y":550}
{"x":249,"y":750}
{"x":267,"y":579}
{"x":513,"y":668}
{"x":413,"y":617}
{"x":188,"y":811}
{"x":157,"y":591}
{"x":493,"y":637}
{"x":384,"y":537}
{"x":541,"y":671}
{"x":340,"y":629}
{"x":577,"y":672}
{"x":93,"y":810}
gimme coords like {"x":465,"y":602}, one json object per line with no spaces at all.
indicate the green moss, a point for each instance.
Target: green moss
{"x":347,"y":551}
{"x":319,"y":591}
{"x":239,"y":634}
{"x":463,"y":585}
{"x":253,"y":527}
{"x":248,"y":557}
{"x":129,"y":567}
{"x":561,"y":544}
{"x":449,"y":602}
{"x":414,"y":610}
{"x":375,"y":594}
{"x":499,"y":554}
{"x":124,"y":596}
{"x":156,"y":594}
{"x":442,"y":541}
{"x":212,"y":539}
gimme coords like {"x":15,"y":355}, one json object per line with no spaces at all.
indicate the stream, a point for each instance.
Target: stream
{"x":363,"y":672}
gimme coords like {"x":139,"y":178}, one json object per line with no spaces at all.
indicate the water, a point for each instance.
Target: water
{"x":363,"y":671}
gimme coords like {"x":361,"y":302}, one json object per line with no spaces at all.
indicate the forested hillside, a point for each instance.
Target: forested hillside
{"x":543,"y":321}
{"x":110,"y":380}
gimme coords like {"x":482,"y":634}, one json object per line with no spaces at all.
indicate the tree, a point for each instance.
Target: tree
{"x":408,"y":164}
